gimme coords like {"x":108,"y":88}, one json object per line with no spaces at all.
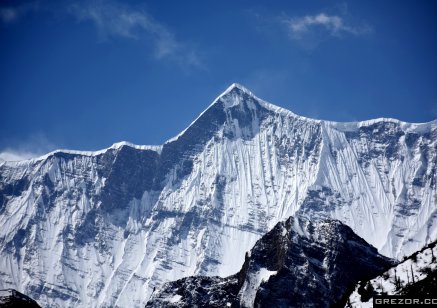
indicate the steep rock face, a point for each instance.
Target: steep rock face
{"x":298,"y":263}
{"x":105,"y":228}
{"x":197,"y":291}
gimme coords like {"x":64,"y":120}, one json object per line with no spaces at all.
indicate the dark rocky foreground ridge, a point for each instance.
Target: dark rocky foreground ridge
{"x":299,"y":263}
{"x":414,"y":277}
{"x":13,"y":299}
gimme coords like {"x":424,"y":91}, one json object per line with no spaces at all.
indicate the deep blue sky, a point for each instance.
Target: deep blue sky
{"x":86,"y":74}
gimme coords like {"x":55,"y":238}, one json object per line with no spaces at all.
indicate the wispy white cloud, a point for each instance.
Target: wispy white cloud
{"x":33,"y":146}
{"x":332,"y":23}
{"x":12,"y":155}
{"x":322,"y":24}
{"x":11,"y":14}
{"x":113,"y":19}
{"x":8,"y":14}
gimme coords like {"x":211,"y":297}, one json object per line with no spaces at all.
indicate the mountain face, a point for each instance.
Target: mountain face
{"x":414,"y":277}
{"x":299,"y":263}
{"x":105,"y":228}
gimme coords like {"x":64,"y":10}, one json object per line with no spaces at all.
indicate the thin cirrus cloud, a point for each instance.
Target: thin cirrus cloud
{"x":322,"y":25}
{"x":8,"y":15}
{"x":113,"y":19}
{"x":11,"y":14}
{"x":35,"y":145}
{"x":14,"y":155}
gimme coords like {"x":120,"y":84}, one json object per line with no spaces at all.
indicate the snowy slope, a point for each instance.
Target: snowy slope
{"x":104,"y":228}
{"x":400,"y":278}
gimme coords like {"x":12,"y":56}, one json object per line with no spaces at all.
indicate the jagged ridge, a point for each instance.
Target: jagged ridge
{"x":414,"y":277}
{"x":298,"y":263}
{"x":13,"y":299}
{"x":105,"y":228}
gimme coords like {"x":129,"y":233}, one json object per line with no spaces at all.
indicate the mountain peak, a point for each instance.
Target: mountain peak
{"x":300,"y":262}
{"x":236,"y":94}
{"x":240,"y":167}
{"x":233,"y":95}
{"x":237,"y":86}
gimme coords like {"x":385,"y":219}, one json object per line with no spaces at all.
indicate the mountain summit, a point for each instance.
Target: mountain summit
{"x":105,"y":228}
{"x":299,"y":263}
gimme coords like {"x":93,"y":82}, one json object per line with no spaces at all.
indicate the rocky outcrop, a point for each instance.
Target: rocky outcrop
{"x":414,"y":277}
{"x":13,"y":299}
{"x":299,"y":263}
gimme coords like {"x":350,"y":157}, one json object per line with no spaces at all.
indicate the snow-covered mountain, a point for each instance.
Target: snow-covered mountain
{"x":105,"y":228}
{"x":299,"y":263}
{"x":414,"y":277}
